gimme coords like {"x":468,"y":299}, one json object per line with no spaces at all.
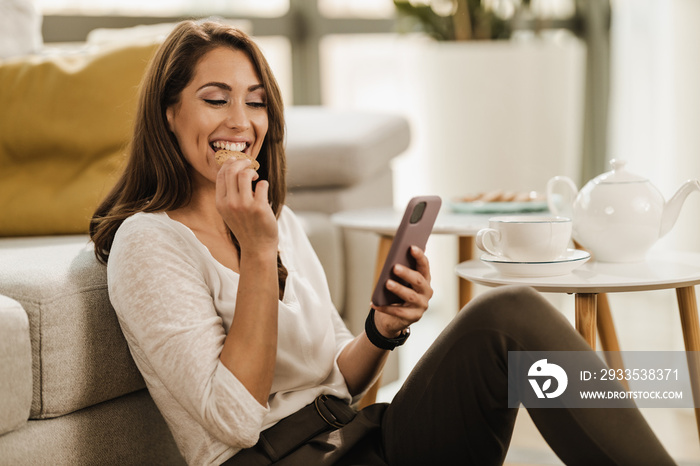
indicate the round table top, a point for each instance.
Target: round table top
{"x":385,"y":221}
{"x":661,"y":270}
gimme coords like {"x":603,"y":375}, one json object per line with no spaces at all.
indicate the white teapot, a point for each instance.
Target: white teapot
{"x":618,"y":216}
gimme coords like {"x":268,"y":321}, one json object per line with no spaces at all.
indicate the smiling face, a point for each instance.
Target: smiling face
{"x":223,"y":107}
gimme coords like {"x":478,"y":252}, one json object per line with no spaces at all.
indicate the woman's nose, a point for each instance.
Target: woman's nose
{"x":237,"y":117}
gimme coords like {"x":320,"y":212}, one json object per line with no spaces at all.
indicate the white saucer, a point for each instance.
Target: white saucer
{"x":571,"y":259}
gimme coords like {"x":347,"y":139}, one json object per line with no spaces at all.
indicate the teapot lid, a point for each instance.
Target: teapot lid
{"x":619,"y":174}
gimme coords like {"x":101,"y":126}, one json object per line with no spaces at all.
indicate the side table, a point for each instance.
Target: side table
{"x":679,"y":270}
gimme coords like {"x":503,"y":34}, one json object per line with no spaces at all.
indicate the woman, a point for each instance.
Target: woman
{"x":228,"y":316}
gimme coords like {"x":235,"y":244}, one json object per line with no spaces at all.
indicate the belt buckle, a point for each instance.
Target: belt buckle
{"x":333,"y":422}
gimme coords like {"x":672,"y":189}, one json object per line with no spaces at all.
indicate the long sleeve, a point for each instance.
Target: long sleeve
{"x":175,"y":334}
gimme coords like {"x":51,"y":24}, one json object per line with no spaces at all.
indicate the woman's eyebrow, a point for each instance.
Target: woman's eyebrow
{"x":223,"y":86}
{"x":226,"y":87}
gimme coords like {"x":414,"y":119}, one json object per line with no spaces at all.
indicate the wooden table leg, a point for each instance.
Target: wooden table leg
{"x":606,"y":327}
{"x":586,"y":317}
{"x":608,"y":337}
{"x":688,"y":307}
{"x":383,"y":251}
{"x":466,"y":248}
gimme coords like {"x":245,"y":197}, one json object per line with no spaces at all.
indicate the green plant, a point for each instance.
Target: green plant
{"x":460,"y":19}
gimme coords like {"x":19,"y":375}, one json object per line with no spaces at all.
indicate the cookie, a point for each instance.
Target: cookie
{"x":223,"y":155}
{"x":502,"y":196}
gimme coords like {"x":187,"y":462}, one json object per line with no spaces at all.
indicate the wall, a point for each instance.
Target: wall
{"x":655,"y":100}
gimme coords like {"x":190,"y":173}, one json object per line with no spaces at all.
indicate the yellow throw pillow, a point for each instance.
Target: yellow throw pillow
{"x":65,"y":122}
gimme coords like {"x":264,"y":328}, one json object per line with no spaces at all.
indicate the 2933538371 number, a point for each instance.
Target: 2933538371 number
{"x":639,"y":374}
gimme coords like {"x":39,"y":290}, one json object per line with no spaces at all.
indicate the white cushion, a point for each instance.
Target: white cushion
{"x":149,"y":32}
{"x":20,"y":28}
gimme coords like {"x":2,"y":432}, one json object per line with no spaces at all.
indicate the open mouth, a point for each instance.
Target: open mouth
{"x":228,"y":145}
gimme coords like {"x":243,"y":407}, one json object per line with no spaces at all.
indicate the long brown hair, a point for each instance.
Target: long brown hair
{"x":156,"y":177}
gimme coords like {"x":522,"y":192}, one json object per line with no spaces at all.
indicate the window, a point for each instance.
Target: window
{"x":262,"y":8}
{"x":356,"y":8}
{"x":294,"y":28}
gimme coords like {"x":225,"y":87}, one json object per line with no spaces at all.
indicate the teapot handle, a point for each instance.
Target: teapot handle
{"x":554,"y":201}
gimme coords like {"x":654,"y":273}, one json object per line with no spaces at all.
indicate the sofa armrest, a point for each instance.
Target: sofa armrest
{"x":333,"y":148}
{"x":15,"y":366}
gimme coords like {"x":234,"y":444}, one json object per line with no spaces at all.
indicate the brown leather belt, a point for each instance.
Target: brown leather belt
{"x":326,"y":413}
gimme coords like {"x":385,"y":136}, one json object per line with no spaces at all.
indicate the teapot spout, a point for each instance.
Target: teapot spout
{"x":673,"y":206}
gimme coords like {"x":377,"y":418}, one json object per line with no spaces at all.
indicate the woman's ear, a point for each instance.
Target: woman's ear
{"x":170,"y":116}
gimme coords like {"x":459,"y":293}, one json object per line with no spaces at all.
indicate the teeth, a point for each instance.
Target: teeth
{"x":234,"y":146}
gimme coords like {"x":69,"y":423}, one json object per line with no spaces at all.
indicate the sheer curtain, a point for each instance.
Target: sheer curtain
{"x":655,"y":100}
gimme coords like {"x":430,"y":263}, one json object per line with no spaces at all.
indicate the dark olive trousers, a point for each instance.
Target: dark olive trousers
{"x":453,"y":408}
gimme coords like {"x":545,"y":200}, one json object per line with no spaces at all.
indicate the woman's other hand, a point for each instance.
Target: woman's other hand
{"x":247,"y":212}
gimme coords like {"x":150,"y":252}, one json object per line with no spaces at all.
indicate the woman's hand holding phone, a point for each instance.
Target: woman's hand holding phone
{"x":403,"y":289}
{"x":392,"y":319}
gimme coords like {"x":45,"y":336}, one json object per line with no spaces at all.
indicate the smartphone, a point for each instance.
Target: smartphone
{"x":414,"y":230}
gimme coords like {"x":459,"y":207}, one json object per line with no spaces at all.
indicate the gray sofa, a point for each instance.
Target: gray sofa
{"x":70,"y":393}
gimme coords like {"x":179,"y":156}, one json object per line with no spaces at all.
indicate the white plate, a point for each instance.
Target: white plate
{"x":480,"y":207}
{"x":572,"y":259}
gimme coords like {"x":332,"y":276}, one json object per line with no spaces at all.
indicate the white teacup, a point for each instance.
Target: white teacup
{"x":526,"y":238}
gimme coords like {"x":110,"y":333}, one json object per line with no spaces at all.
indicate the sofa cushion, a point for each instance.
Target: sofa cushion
{"x":15,"y":365}
{"x":79,"y":355}
{"x":329,"y":147}
{"x":127,"y":431}
{"x":66,"y":119}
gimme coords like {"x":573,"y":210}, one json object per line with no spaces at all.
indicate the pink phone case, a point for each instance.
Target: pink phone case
{"x":414,"y":230}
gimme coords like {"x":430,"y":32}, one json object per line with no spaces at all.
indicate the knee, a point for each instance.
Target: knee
{"x":522,"y":315}
{"x":509,"y":306}
{"x":507,"y":295}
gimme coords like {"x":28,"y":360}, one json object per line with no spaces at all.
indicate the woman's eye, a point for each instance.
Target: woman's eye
{"x":257,"y":104}
{"x":215,"y":102}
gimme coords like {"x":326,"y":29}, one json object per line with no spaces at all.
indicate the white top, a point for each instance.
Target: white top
{"x":175,"y":304}
{"x":661,"y":270}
